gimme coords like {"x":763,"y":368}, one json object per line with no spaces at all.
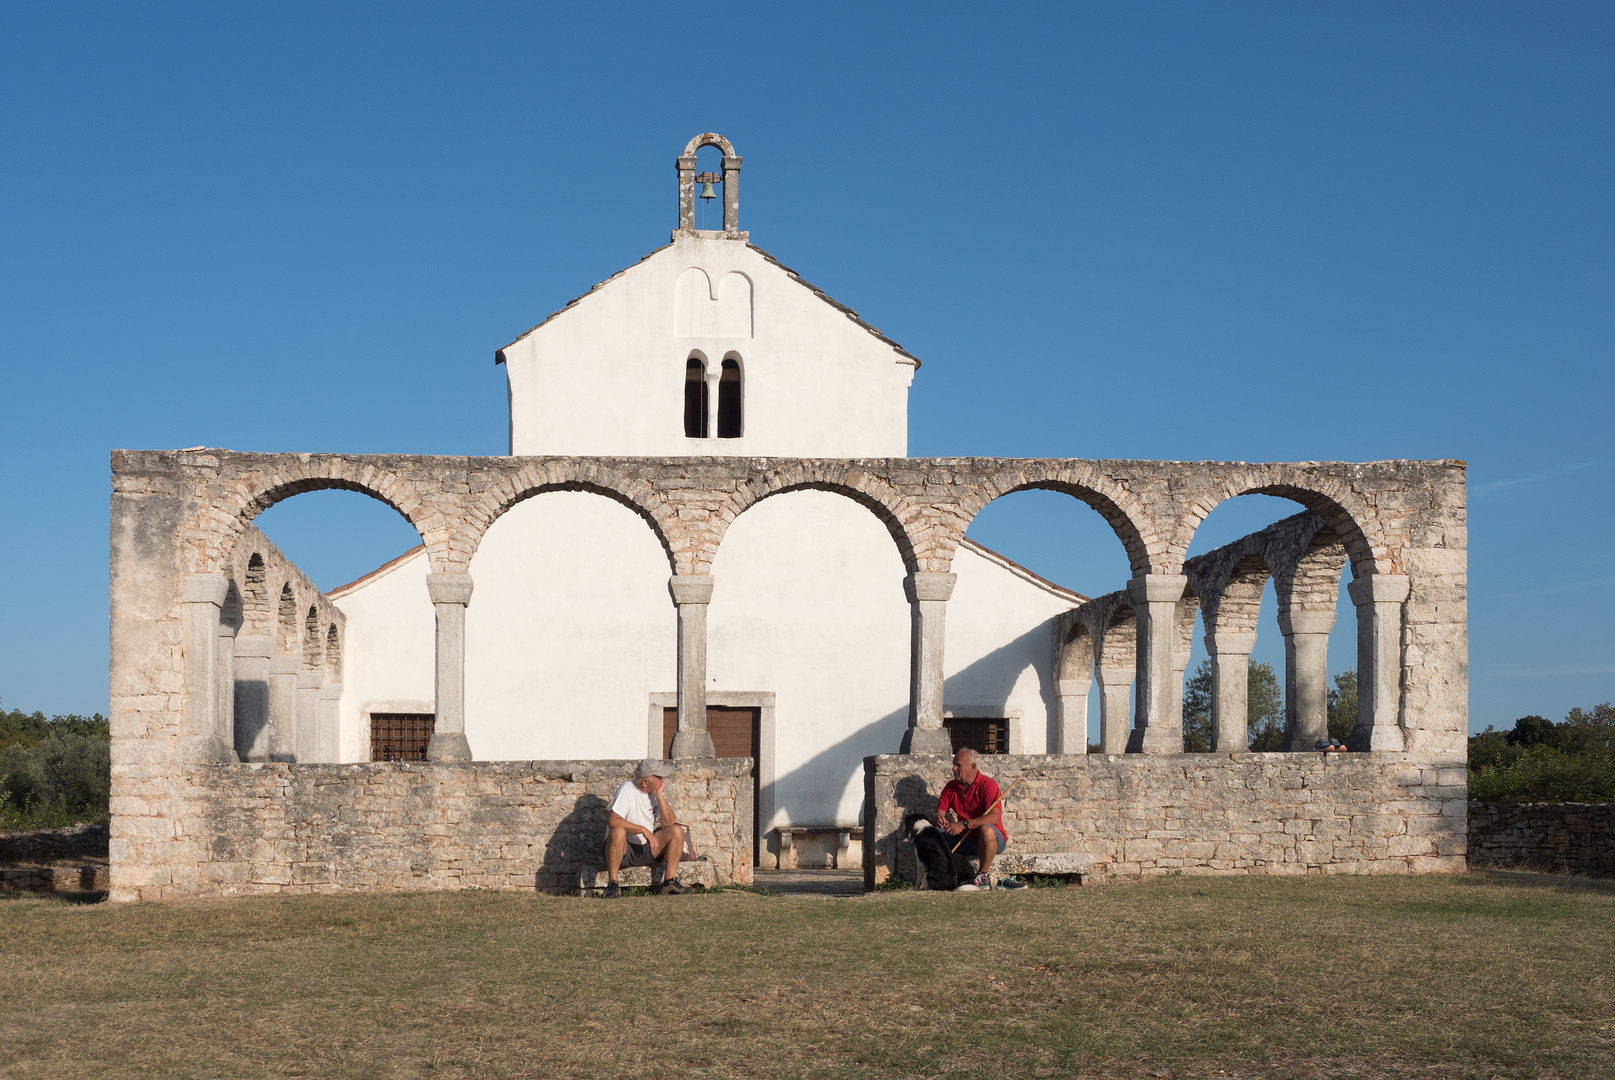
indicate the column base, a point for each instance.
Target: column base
{"x":927,"y":740}
{"x":693,"y":744}
{"x":448,"y":746}
{"x":1154,"y":739}
{"x":207,"y":748}
{"x":1378,"y":737}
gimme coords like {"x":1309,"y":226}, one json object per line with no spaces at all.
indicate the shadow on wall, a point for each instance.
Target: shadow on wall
{"x":574,"y":845}
{"x":997,"y":678}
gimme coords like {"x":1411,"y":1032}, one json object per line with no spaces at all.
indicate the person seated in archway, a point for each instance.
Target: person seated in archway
{"x":633,"y":835}
{"x":971,"y":812}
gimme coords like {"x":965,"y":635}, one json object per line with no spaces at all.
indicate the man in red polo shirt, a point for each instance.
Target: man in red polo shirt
{"x":977,"y":815}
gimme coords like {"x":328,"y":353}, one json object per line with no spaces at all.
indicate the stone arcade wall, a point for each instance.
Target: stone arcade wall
{"x":1139,"y":814}
{"x":236,"y":829}
{"x":1574,"y":837}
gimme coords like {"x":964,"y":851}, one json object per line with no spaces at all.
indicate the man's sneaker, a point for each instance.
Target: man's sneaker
{"x":983,"y":881}
{"x":613,"y":890}
{"x":674,"y":888}
{"x":1011,"y":883}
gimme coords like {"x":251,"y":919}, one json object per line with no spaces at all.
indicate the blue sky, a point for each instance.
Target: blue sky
{"x":1253,"y":232}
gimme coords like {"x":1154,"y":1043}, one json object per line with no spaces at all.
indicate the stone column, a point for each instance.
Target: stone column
{"x":203,"y":597}
{"x":226,"y":719}
{"x":928,"y":600}
{"x":686,"y":171}
{"x":1071,"y":723}
{"x":327,"y":738}
{"x":1306,"y":676}
{"x":251,"y":735}
{"x":1379,"y":661}
{"x":731,"y":195}
{"x":1155,"y":605}
{"x":283,"y":671}
{"x":306,"y":743}
{"x":1115,"y":685}
{"x":1230,"y":690}
{"x":450,"y":594}
{"x":714,"y":373}
{"x":692,"y":593}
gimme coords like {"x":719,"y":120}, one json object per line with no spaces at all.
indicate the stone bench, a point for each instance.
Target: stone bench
{"x":1071,"y":865}
{"x":841,"y":857}
{"x":691,"y":872}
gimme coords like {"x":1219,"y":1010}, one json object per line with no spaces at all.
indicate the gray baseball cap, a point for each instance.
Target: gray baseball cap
{"x":653,"y":767}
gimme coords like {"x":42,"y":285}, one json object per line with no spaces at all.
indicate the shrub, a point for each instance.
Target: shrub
{"x":1540,"y":761}
{"x":53,"y":772}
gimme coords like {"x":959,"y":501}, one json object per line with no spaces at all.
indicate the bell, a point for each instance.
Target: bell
{"x":707,"y":192}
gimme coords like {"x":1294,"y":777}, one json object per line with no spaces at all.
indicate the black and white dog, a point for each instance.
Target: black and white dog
{"x":933,"y":862}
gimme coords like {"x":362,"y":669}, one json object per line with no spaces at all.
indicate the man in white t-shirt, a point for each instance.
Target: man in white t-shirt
{"x":633,"y":837}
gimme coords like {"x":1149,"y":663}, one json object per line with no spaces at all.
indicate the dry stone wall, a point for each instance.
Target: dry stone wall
{"x":239,"y":829}
{"x":1137,"y":815}
{"x":1577,"y":838}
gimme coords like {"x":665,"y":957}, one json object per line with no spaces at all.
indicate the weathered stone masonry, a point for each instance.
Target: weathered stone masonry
{"x":180,"y":521}
{"x":1574,"y":837}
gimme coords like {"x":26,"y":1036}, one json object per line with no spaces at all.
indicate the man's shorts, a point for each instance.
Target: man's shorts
{"x":971,"y":845}
{"x":633,"y":854}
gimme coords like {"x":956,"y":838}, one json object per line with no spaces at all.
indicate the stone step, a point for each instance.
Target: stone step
{"x":53,"y":878}
{"x":698,"y":872}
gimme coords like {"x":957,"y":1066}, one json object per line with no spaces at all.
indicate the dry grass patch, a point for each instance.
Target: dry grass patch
{"x":1484,"y":975}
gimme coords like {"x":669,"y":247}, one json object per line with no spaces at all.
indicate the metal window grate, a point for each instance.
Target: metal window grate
{"x":982,"y":734}
{"x":400,"y":736}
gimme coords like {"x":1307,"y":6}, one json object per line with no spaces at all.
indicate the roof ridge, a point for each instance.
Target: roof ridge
{"x":1071,"y":594}
{"x":390,"y":564}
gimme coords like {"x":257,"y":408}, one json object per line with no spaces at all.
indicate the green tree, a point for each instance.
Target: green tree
{"x":53,"y":772}
{"x":1534,"y":731}
{"x":1540,"y":761}
{"x":1343,"y":705}
{"x":1266,"y":716}
{"x":1197,"y":710}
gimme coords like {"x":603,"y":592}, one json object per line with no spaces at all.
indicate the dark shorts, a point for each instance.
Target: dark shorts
{"x":971,"y":845}
{"x":633,"y":854}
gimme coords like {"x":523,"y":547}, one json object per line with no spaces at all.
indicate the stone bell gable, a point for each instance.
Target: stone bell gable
{"x":707,"y":346}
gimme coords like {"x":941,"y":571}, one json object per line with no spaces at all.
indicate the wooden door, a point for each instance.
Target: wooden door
{"x":736,"y":733}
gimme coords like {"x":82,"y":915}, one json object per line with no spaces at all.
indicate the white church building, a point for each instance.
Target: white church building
{"x":706,"y":347}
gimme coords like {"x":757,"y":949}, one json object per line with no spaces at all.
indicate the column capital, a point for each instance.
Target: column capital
{"x":449,"y":588}
{"x":254,"y":645}
{"x":1379,"y":589}
{"x":310,"y":680}
{"x":922,"y":585}
{"x":1230,"y":643}
{"x":285,"y":664}
{"x":691,"y":588}
{"x":1116,"y":676}
{"x":1157,"y":588}
{"x":1306,"y":622}
{"x":1072,"y":687}
{"x":205,"y":589}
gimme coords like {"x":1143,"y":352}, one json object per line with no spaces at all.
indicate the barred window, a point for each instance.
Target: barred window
{"x":984,"y":735}
{"x":400,"y":736}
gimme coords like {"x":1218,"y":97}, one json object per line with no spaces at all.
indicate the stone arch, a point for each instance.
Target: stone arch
{"x":1352,"y":522}
{"x":708,"y":138}
{"x":254,"y":492}
{"x":636,"y":494}
{"x":1121,"y":511}
{"x":1239,"y":602}
{"x":255,"y":597}
{"x":902,"y":520}
{"x":1075,"y":658}
{"x":333,"y":654}
{"x":1188,"y":611}
{"x":1118,"y":647}
{"x":1312,"y":581}
{"x":313,"y":640}
{"x":286,"y":620}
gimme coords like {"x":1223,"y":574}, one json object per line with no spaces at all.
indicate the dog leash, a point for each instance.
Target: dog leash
{"x":1002,"y":795}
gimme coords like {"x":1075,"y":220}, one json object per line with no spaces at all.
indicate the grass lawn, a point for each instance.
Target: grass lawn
{"x":1480,"y":975}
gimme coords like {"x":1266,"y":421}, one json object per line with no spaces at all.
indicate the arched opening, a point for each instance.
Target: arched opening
{"x":695,"y":398}
{"x":1270,"y":573}
{"x":569,"y":632}
{"x":353,"y":570}
{"x":808,"y":612}
{"x":709,"y":196}
{"x":730,"y":393}
{"x":1028,"y":556}
{"x":255,"y":597}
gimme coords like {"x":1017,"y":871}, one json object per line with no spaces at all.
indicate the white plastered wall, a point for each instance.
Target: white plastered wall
{"x":389,"y":651}
{"x":606,"y":376}
{"x":570,"y":632}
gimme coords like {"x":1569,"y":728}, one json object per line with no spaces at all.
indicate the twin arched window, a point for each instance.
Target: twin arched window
{"x":698,"y":418}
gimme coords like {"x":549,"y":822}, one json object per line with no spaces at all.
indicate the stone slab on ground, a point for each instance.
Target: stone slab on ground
{"x":849,"y":882}
{"x":89,"y":878}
